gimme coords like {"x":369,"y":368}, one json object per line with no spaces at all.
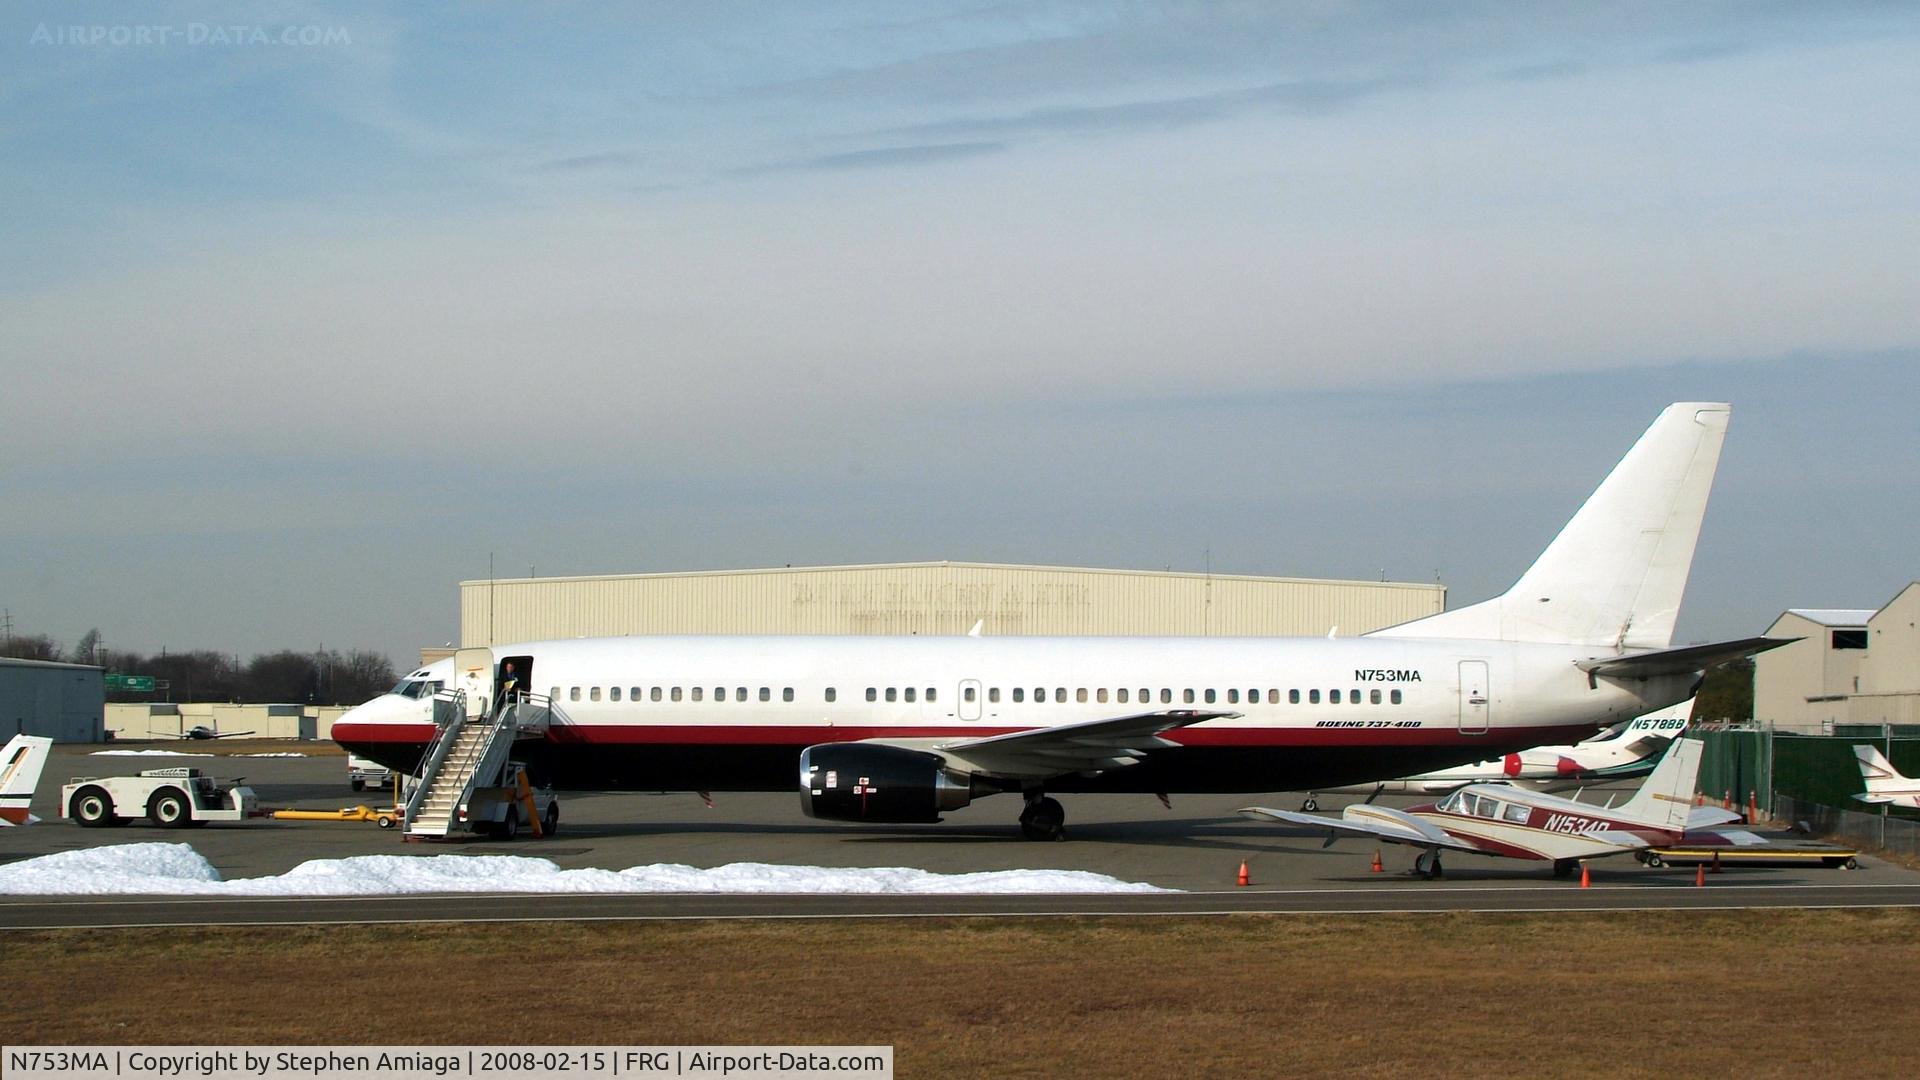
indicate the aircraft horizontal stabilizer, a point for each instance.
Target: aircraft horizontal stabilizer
{"x":1678,"y":661}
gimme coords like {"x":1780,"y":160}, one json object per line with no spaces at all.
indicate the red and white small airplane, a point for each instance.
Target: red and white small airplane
{"x":1511,"y":822}
{"x":20,"y":765}
{"x":200,"y":731}
{"x":1885,"y":784}
{"x":1623,"y":752}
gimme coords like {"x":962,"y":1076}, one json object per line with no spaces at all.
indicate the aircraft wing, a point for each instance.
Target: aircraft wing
{"x":1678,"y":661}
{"x":1384,"y":823}
{"x":231,"y":734}
{"x":1068,"y":748}
{"x":1704,"y":817}
{"x":1869,"y":797}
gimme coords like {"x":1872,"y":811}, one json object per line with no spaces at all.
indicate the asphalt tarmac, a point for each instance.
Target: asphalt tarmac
{"x":1196,"y":846}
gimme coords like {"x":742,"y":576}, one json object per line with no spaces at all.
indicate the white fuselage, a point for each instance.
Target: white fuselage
{"x":717,"y":712}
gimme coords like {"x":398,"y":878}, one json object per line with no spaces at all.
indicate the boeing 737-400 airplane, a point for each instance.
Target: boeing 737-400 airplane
{"x":900,"y":729}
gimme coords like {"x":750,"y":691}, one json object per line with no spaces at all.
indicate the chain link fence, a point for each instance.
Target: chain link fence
{"x":1866,"y":829}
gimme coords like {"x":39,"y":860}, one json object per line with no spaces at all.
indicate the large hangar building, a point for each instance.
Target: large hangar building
{"x":1850,"y":666}
{"x":64,"y":702}
{"x":933,"y":598}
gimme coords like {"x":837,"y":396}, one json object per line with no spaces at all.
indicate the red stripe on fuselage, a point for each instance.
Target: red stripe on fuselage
{"x":813,"y":734}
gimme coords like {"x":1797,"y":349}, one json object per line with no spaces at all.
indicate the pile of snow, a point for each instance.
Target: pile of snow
{"x":286,"y":754}
{"x":178,"y":869}
{"x":145,"y":753}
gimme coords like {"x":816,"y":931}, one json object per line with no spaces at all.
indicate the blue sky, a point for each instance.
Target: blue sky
{"x":296,"y":334}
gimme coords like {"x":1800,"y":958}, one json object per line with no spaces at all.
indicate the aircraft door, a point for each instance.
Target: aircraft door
{"x":970,"y":699}
{"x":473,"y":673}
{"x":1476,"y":697}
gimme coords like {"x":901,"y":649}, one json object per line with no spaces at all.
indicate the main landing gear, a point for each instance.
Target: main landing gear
{"x":1428,"y":864}
{"x":1043,"y":818}
{"x":1310,"y":805}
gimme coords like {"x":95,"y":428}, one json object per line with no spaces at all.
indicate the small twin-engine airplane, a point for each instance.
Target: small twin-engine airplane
{"x":1885,"y":784}
{"x":1514,"y":823}
{"x":20,"y":765}
{"x":199,"y":731}
{"x":1622,"y":752}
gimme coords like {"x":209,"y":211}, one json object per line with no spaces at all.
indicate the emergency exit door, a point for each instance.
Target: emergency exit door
{"x":1476,"y":697}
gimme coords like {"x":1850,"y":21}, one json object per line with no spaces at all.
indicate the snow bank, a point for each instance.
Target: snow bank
{"x":285,"y":754}
{"x":144,"y":753}
{"x":178,"y":869}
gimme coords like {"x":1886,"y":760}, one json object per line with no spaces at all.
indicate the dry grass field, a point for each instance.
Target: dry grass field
{"x":1751,"y":994}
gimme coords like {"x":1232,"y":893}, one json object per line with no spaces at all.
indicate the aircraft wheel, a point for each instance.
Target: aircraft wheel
{"x":509,"y":828}
{"x":1655,"y":861}
{"x":1310,"y":805}
{"x":169,"y":809}
{"x":550,"y":821}
{"x":92,"y":807}
{"x":1563,"y":868}
{"x":1043,"y":819}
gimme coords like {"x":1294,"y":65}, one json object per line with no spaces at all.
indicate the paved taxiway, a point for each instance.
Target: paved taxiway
{"x":1196,"y":846}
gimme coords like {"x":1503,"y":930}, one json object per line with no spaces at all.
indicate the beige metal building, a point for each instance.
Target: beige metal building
{"x":932,"y":598}
{"x":1852,"y":666}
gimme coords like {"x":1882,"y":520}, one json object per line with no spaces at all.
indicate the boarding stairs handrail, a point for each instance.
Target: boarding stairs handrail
{"x":449,"y":716}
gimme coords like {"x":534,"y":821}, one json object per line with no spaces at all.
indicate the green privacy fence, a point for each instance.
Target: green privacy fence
{"x":1810,"y":768}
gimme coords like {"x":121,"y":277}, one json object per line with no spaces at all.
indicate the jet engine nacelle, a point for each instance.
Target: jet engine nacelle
{"x":859,"y":782}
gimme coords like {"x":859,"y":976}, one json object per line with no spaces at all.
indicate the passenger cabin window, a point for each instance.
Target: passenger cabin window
{"x":993,"y":695}
{"x":655,"y":694}
{"x":766,"y":694}
{"x":554,"y":695}
{"x":1488,"y":808}
{"x":1516,"y":812}
{"x":613,"y":693}
{"x":573,"y":693}
{"x":786,"y":694}
{"x":893,"y":694}
{"x":1122,"y":694}
{"x":1019,"y":694}
{"x":967,"y":694}
{"x":831,"y":693}
{"x":1166,"y":696}
{"x":930,"y":694}
{"x":633,"y":693}
{"x":1100,"y":695}
{"x":739,"y":693}
{"x":1209,"y":697}
{"x":909,"y":693}
{"x":1393,"y":696}
{"x":871,"y":694}
{"x":1313,"y":697}
{"x":676,"y":693}
{"x":1233,"y":695}
{"x":1080,"y":696}
{"x":1373,"y":696}
{"x":1293,"y":697}
{"x":699,"y":693}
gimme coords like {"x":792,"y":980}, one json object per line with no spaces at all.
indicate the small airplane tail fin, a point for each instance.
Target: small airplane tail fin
{"x":20,"y":765}
{"x":1615,"y":574}
{"x":1878,"y":772}
{"x":1666,"y":797}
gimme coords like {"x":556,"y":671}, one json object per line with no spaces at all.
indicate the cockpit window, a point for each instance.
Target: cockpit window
{"x":417,"y":688}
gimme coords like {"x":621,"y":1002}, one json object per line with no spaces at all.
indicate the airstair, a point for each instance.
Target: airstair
{"x":470,"y":750}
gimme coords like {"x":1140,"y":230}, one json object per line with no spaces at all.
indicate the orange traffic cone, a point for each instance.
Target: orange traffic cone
{"x":1243,"y":874}
{"x":1377,"y":868}
{"x":1586,"y":879}
{"x":1699,"y":875}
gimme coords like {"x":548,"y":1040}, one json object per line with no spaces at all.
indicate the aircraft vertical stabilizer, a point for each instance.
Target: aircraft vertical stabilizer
{"x":1615,"y":574}
{"x":20,"y":765}
{"x":1666,"y":798}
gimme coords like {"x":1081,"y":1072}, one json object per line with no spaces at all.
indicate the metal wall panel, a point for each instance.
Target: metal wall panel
{"x":932,"y":598}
